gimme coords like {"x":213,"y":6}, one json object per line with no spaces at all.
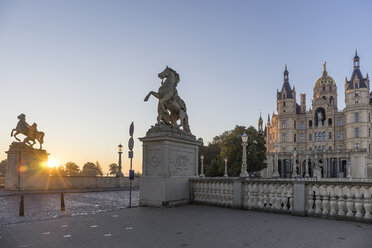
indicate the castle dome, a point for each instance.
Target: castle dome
{"x":325,"y":80}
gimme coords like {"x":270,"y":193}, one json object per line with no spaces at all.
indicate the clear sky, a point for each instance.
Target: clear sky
{"x":80,"y":69}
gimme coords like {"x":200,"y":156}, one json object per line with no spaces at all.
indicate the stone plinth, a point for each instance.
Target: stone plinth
{"x":170,"y":159}
{"x":27,"y":168}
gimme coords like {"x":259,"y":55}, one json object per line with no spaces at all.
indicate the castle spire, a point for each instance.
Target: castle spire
{"x":356,"y":60}
{"x":285,"y":73}
{"x":324,"y":69}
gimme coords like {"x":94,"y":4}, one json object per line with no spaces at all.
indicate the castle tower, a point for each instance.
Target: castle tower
{"x":303,"y":103}
{"x":358,"y":119}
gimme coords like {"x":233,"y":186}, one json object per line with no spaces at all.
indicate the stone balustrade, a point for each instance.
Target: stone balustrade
{"x":351,"y":200}
{"x":268,"y":195}
{"x":213,"y":192}
{"x":339,"y":199}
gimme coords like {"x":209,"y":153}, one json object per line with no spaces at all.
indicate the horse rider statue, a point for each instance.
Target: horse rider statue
{"x":171,"y":107}
{"x":31,"y":132}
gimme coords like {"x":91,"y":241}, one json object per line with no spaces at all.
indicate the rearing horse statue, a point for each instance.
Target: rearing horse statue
{"x":30,"y":132}
{"x":169,"y":100}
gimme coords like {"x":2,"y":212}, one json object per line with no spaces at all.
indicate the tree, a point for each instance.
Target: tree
{"x":58,"y":171}
{"x":232,"y":149}
{"x":72,"y":169}
{"x":3,"y":167}
{"x":92,"y":169}
{"x":113,"y":168}
{"x":229,"y":145}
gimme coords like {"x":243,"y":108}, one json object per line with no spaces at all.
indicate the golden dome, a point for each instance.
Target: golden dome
{"x":325,"y":80}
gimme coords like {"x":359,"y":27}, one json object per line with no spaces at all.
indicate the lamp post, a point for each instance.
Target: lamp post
{"x":294,"y":172}
{"x":243,"y":171}
{"x":225,"y":168}
{"x":202,"y":166}
{"x":276,"y":173}
{"x":120,"y":151}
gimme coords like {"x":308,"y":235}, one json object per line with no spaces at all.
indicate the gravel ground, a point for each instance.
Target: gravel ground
{"x":47,"y":206}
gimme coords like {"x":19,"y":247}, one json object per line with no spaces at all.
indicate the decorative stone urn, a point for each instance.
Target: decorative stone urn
{"x":170,"y":159}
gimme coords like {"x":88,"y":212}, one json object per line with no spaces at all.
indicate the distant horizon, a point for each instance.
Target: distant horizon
{"x":81,"y":69}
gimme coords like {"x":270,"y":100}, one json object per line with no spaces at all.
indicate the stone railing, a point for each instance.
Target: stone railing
{"x":213,"y":191}
{"x":339,"y":199}
{"x":268,"y":195}
{"x":350,"y":200}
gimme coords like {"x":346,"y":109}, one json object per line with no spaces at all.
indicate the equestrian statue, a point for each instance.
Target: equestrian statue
{"x":171,"y":107}
{"x":31,"y":132}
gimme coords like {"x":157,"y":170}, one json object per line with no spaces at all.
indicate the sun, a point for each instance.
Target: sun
{"x":52,"y":163}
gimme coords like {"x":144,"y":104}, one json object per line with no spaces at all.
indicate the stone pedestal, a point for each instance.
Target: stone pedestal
{"x":170,"y":159}
{"x":27,"y":168}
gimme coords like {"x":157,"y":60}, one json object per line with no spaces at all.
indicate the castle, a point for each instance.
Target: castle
{"x":322,"y":141}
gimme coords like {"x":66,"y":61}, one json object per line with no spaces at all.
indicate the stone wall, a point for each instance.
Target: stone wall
{"x":85,"y":182}
{"x":337,"y":199}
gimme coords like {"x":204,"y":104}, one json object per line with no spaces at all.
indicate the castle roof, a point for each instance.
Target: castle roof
{"x":325,"y":80}
{"x":286,"y":86}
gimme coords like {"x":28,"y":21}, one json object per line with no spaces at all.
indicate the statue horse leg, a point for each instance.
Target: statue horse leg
{"x":155,"y":94}
{"x":15,"y":135}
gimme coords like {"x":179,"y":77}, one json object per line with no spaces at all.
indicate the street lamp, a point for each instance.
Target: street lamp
{"x":120,"y":151}
{"x":202,"y":166}
{"x":243,"y":171}
{"x":294,"y":172}
{"x":276,"y":173}
{"x":225,"y":168}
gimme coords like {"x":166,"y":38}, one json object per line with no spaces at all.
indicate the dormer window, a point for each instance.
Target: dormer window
{"x":356,"y":85}
{"x":283,"y":95}
{"x":285,"y":77}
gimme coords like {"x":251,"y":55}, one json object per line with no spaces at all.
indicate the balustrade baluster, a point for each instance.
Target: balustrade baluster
{"x":278,"y":197}
{"x":310,"y":199}
{"x":318,"y":202}
{"x":367,"y":202}
{"x":284,"y":197}
{"x":290,"y":196}
{"x":260,"y":195}
{"x":341,"y":201}
{"x":358,"y":202}
{"x":324,"y":198}
{"x":333,"y":203}
{"x":349,"y":201}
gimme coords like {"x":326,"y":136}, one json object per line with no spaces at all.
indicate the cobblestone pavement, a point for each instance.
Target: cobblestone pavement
{"x":187,"y":226}
{"x":47,"y":206}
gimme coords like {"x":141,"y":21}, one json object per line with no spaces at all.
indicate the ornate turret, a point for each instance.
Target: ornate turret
{"x":286,"y":91}
{"x":260,"y":125}
{"x":356,"y":80}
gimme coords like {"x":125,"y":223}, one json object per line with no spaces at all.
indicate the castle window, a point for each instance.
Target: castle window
{"x":294,"y":138}
{"x":284,"y":124}
{"x":357,"y":146}
{"x":356,"y":116}
{"x":323,"y":136}
{"x":283,"y":110}
{"x":283,"y":104}
{"x":330,"y":135}
{"x":316,"y":137}
{"x":310,"y":137}
{"x":339,"y":121}
{"x":356,"y":93}
{"x":310,"y":124}
{"x":330,"y":122}
{"x":323,"y":87}
{"x":339,"y":135}
{"x":284,"y":138}
{"x":331,"y":102}
{"x":356,"y":85}
{"x":330,"y":87}
{"x":302,"y":125}
{"x":357,"y":132}
{"x":302,"y":137}
{"x":283,"y":95}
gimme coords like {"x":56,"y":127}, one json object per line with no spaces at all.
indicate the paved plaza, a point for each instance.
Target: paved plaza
{"x":47,"y":206}
{"x":186,"y":226}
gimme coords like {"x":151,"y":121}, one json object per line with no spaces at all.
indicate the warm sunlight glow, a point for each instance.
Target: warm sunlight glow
{"x":52,"y":163}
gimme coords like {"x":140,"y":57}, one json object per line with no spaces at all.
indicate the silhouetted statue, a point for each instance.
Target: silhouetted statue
{"x":171,"y":107}
{"x":31,"y":132}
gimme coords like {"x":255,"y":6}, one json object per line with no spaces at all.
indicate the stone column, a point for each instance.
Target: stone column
{"x":348,"y":172}
{"x":275,"y":171}
{"x":307,"y":166}
{"x":338,"y":166}
{"x":325,"y":166}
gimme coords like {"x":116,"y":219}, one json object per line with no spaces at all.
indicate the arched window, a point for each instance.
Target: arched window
{"x":316,"y":137}
{"x":310,"y":124}
{"x":331,"y":102}
{"x":330,"y":135}
{"x":330,"y":122}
